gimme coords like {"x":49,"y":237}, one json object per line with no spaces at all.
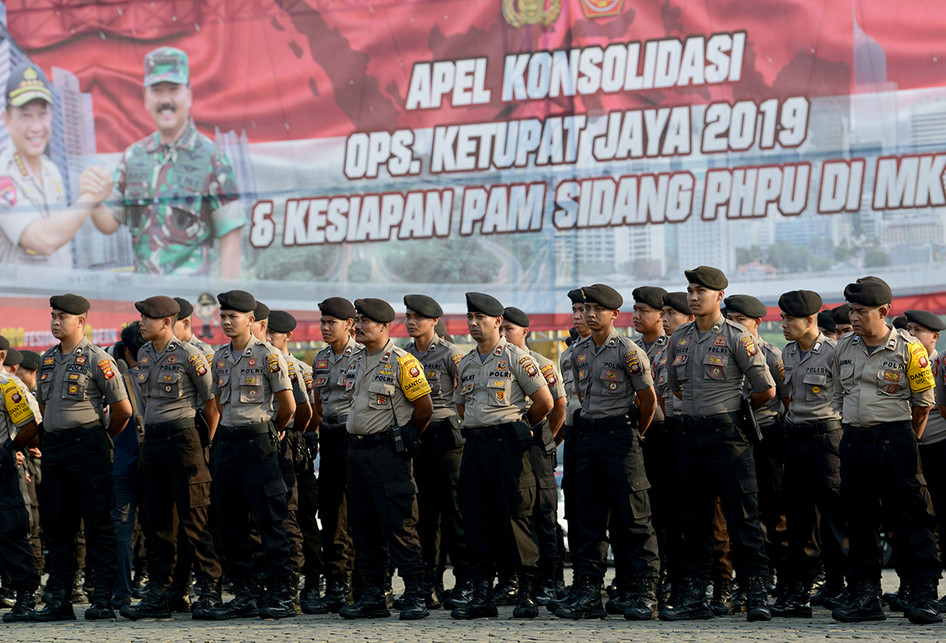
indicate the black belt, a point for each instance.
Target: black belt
{"x":710,"y":422}
{"x":369,"y":441}
{"x":246,"y":432}
{"x":335,"y":419}
{"x":167,"y":429}
{"x":437,"y":431}
{"x":877,"y":432}
{"x":69,"y":435}
{"x":811,"y":428}
{"x":483,"y":433}
{"x":610,"y":423}
{"x":333,"y":432}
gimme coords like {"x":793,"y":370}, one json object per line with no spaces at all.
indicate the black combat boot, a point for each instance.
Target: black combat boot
{"x":923,"y":608}
{"x":278,"y":603}
{"x":460,"y":595}
{"x":691,"y":604}
{"x":642,"y":600}
{"x":795,"y":601}
{"x":840,"y":600}
{"x":209,"y":599}
{"x":619,"y":599}
{"x":371,"y":603}
{"x":336,"y":597}
{"x":897,"y":601}
{"x":587,"y":603}
{"x":526,"y":607}
{"x":101,"y":608}
{"x":153,"y":605}
{"x":865,"y":604}
{"x":58,"y":606}
{"x":481,"y":604}
{"x":433,"y":590}
{"x":310,"y":590}
{"x":416,"y":594}
{"x":721,"y":603}
{"x":543,"y":589}
{"x":78,"y":585}
{"x":567,"y":599}
{"x":833,"y":585}
{"x":507,"y":590}
{"x":757,"y":599}
{"x":22,"y":607}
{"x":243,"y":604}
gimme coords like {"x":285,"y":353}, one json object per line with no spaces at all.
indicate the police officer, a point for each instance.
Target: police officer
{"x":183,"y":330}
{"x":332,"y":396}
{"x":842,"y":319}
{"x":817,"y":533}
{"x":827,"y":325}
{"x":174,"y":379}
{"x":515,"y":329}
{"x":79,"y":394}
{"x":248,"y":377}
{"x":885,"y":396}
{"x":497,"y":487}
{"x":708,"y":361}
{"x":28,"y":369}
{"x":437,"y":462}
{"x":390,"y":409}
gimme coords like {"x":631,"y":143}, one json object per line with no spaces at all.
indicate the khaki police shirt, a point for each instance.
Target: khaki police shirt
{"x":609,"y":375}
{"x":202,"y":346}
{"x":652,"y":350}
{"x":300,"y":374}
{"x":810,"y":381}
{"x":385,"y":385}
{"x":246,"y":382}
{"x":935,"y":430}
{"x":771,"y":410}
{"x":553,"y":377}
{"x":572,"y":403}
{"x":672,"y":404}
{"x":440,"y":368}
{"x":882,"y":386}
{"x":174,"y":383}
{"x":77,"y":387}
{"x":497,"y":390}
{"x":328,"y":372}
{"x":710,"y":370}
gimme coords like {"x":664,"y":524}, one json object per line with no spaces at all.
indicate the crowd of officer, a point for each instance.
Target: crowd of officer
{"x":724,"y":474}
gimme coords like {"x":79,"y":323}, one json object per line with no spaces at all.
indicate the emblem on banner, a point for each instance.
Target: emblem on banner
{"x":601,"y":8}
{"x":519,"y":13}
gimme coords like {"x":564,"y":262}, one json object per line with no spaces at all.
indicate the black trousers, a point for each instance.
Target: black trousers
{"x":610,"y":480}
{"x":16,"y":551}
{"x":78,"y":484}
{"x":338,"y":552}
{"x":881,"y":475}
{"x":817,"y":531}
{"x":933,"y":457}
{"x":661,"y":460}
{"x":769,"y":466}
{"x":497,"y":496}
{"x":384,"y":528}
{"x":716,"y":462}
{"x":176,"y":476}
{"x":568,"y":476}
{"x":307,"y":487}
{"x":545,"y":512}
{"x":293,"y":532}
{"x":248,"y":479}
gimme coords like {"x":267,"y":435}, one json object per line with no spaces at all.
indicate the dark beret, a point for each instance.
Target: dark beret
{"x":900,"y":321}
{"x":869,"y":291}
{"x":31,"y":360}
{"x":186,"y":308}
{"x":69,"y":303}
{"x":13,"y":358}
{"x":653,"y":296}
{"x":800,"y":303}
{"x":745,"y":305}
{"x":677,"y":301}
{"x":841,"y":314}
{"x":441,"y":331}
{"x":375,"y":309}
{"x":423,"y":305}
{"x":238,"y":300}
{"x":516,"y":316}
{"x":707,"y":276}
{"x":338,"y":307}
{"x":478,"y":302}
{"x":826,"y":321}
{"x":158,"y":307}
{"x":576,"y":296}
{"x":4,"y":343}
{"x":261,"y":311}
{"x":925,"y":318}
{"x":603,"y":295}
{"x":281,"y":322}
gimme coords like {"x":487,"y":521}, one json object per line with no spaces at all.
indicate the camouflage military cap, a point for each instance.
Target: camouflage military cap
{"x":27,"y":82}
{"x":516,"y":316}
{"x":281,"y":322}
{"x":166,"y":65}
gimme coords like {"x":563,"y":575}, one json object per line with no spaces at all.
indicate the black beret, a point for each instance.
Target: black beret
{"x":13,"y":358}
{"x":477,"y":302}
{"x":423,"y":305}
{"x":441,"y":331}
{"x":925,"y":318}
{"x":800,"y":303}
{"x":69,"y":303}
{"x":653,"y":296}
{"x":238,"y":300}
{"x":375,"y":309}
{"x":4,"y":343}
{"x":869,"y":291}
{"x":707,"y":276}
{"x":261,"y":311}
{"x":841,"y":314}
{"x":31,"y":360}
{"x":186,"y":308}
{"x":826,"y":321}
{"x":745,"y":305}
{"x":516,"y":316}
{"x":338,"y":307}
{"x":158,"y":307}
{"x":677,"y":301}
{"x":576,"y":296}
{"x":900,"y":322}
{"x":603,"y":295}
{"x":281,"y":322}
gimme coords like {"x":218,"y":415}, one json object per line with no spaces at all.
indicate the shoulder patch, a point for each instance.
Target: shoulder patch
{"x":918,"y":370}
{"x":528,"y":366}
{"x":749,"y":344}
{"x":7,"y":190}
{"x":633,"y":362}
{"x":272,"y":361}
{"x":199,"y":363}
{"x":456,"y":358}
{"x":412,"y":380}
{"x":548,"y":371}
{"x":17,"y":405}
{"x":106,"y":366}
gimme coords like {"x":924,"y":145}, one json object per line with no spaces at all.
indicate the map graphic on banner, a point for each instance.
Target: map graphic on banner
{"x":517,"y":147}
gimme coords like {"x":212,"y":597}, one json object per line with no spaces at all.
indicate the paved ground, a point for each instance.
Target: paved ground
{"x":439,"y":627}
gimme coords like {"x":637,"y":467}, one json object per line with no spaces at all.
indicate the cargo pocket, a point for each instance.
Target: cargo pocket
{"x":168,"y":385}
{"x":714,"y":366}
{"x":815,"y":384}
{"x":402,"y":502}
{"x":74,"y":387}
{"x":199,"y":490}
{"x":276,"y":500}
{"x":613,"y":380}
{"x":251,"y":389}
{"x":380,"y":395}
{"x":498,"y":392}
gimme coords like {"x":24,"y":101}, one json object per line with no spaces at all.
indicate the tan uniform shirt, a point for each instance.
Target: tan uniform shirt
{"x":174,"y":383}
{"x":652,"y":350}
{"x":609,"y":375}
{"x":440,"y":368}
{"x":810,"y":382}
{"x":328,"y":372}
{"x":497,"y":390}
{"x":202,"y":346}
{"x":771,"y":410}
{"x":935,"y":430}
{"x":572,"y":403}
{"x":553,"y":377}
{"x":710,"y":369}
{"x":76,"y":388}
{"x":300,"y":374}
{"x":246,"y":382}
{"x":672,"y":404}
{"x":385,"y":385}
{"x":882,"y":386}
